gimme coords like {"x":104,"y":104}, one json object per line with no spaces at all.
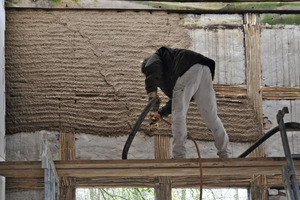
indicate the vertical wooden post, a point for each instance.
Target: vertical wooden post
{"x":67,"y":152}
{"x":253,"y":69}
{"x":66,"y":146}
{"x":67,"y":188}
{"x":258,"y":187}
{"x":163,"y":189}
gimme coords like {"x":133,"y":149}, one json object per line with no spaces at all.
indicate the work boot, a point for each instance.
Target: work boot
{"x":223,"y":155}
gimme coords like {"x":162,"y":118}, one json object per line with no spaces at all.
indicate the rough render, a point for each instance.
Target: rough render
{"x":69,"y":73}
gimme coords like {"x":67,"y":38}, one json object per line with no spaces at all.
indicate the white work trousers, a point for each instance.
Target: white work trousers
{"x":196,"y":83}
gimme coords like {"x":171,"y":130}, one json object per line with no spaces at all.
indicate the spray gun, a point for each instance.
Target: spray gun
{"x":154,"y":121}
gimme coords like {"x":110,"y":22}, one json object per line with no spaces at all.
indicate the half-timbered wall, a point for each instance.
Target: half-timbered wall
{"x":77,"y":71}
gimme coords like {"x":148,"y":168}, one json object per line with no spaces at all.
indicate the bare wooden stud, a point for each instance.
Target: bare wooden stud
{"x":163,"y":189}
{"x":67,"y":152}
{"x":66,"y":146}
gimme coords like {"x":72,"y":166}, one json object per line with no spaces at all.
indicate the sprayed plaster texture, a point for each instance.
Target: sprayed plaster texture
{"x":66,"y":72}
{"x":280,"y":48}
{"x":28,"y":146}
{"x":273,"y":146}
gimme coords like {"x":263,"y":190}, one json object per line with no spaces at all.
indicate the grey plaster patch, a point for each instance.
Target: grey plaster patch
{"x":25,"y":195}
{"x":280,"y":56}
{"x":208,"y":149}
{"x":28,"y":146}
{"x":273,"y":146}
{"x":224,"y":44}
{"x":92,"y":147}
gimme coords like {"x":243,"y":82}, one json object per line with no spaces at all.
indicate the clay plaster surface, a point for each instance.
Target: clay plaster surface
{"x":69,"y":73}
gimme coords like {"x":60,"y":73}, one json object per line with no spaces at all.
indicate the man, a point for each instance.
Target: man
{"x":182,"y":75}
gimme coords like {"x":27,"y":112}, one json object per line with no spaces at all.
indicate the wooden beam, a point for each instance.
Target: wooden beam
{"x":253,"y":70}
{"x":236,"y":6}
{"x":67,"y":152}
{"x":199,"y":1}
{"x":290,"y":93}
{"x":163,"y":187}
{"x":177,"y":182}
{"x":230,"y":91}
{"x":149,"y":168}
{"x":253,"y":62}
{"x":67,"y":188}
{"x":66,"y":146}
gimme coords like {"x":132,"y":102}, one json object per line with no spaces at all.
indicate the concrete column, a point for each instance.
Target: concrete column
{"x":2,"y":95}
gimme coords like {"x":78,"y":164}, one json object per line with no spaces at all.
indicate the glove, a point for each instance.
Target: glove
{"x":165,"y":110}
{"x":156,"y":105}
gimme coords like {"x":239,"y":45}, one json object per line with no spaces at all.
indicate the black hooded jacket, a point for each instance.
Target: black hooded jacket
{"x":164,"y":67}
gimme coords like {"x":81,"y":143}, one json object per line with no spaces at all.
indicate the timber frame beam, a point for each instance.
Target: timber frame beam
{"x":234,"y":6}
{"x":229,"y":172}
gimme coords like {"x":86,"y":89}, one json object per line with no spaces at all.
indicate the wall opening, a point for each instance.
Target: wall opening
{"x":149,"y":194}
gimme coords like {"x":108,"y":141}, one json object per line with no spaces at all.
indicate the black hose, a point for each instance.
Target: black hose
{"x":290,"y":126}
{"x":136,"y":127}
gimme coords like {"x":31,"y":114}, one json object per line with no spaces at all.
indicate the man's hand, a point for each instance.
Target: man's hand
{"x":152,"y":95}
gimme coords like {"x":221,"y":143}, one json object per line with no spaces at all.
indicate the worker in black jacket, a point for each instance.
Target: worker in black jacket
{"x":182,"y":75}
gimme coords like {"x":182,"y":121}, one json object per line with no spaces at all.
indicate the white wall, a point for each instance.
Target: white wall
{"x":281,"y":42}
{"x":2,"y":96}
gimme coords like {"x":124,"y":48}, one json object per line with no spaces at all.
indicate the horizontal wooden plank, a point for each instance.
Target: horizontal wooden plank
{"x":177,"y":182}
{"x":281,"y":92}
{"x":151,"y":168}
{"x":236,"y":6}
{"x":230,"y":91}
{"x":231,"y":172}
